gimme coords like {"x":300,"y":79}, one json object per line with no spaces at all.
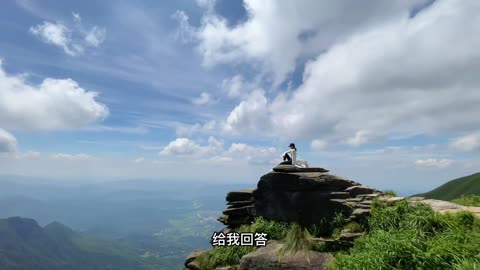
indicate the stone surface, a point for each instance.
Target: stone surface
{"x":447,"y":207}
{"x":357,"y":190}
{"x":300,"y":196}
{"x":291,"y":168}
{"x":359,"y":214}
{"x":190,"y":260}
{"x":266,"y":258}
{"x":240,"y":195}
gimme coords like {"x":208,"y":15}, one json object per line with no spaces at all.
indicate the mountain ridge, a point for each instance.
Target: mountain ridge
{"x":455,"y":188}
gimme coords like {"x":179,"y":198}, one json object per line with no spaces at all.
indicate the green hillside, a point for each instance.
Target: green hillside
{"x":25,"y":245}
{"x":456,"y":188}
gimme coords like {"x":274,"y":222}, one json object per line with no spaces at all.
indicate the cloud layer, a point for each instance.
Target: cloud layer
{"x":382,"y":74}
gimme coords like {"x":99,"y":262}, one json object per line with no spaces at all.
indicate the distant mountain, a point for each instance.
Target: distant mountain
{"x":27,"y":246}
{"x":455,"y":188}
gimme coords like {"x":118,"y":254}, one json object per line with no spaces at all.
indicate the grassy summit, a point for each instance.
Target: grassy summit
{"x":456,"y":188}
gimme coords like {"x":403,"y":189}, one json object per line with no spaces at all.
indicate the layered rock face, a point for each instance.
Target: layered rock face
{"x":305,"y":196}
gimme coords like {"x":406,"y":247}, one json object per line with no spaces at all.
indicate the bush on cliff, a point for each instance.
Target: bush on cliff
{"x":408,"y":236}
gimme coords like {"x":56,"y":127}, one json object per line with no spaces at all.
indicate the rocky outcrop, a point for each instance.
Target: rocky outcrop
{"x":302,"y":195}
{"x":267,"y":258}
{"x":190,"y":262}
{"x":297,"y":195}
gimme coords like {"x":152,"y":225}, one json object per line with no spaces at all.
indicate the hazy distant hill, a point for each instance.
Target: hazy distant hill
{"x":456,"y":188}
{"x":25,"y":245}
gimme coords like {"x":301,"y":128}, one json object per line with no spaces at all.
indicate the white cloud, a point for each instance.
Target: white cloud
{"x":401,"y":77}
{"x":76,"y":17}
{"x":139,"y":160}
{"x":95,"y":36}
{"x":185,"y":130}
{"x":72,"y":157}
{"x":318,"y":144}
{"x":54,"y":104}
{"x":8,"y":143}
{"x":187,"y":147}
{"x":255,"y":155}
{"x":203,"y":99}
{"x":28,"y":155}
{"x":250,"y":115}
{"x":466,"y":143}
{"x":278,"y":33}
{"x":185,"y":32}
{"x":435,"y":163}
{"x":235,"y":86}
{"x":56,"y":34}
{"x":72,"y":40}
{"x":215,"y":150}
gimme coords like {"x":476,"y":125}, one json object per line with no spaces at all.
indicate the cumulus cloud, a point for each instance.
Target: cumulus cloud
{"x":187,"y":147}
{"x":278,"y":33}
{"x":214,"y":150}
{"x":8,"y":143}
{"x":434,"y":163}
{"x":255,"y":155}
{"x":73,"y":39}
{"x":54,"y":104}
{"x":398,"y":78}
{"x":203,"y":99}
{"x":250,"y":115}
{"x":466,"y":143}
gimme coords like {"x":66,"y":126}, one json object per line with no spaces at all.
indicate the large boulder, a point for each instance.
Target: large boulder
{"x":303,"y":195}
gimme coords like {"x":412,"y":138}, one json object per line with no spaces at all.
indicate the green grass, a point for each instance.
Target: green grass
{"x":297,"y":239}
{"x":328,"y":228}
{"x":231,"y":255}
{"x":456,"y":188}
{"x":390,"y":192}
{"x":407,"y":236}
{"x":223,"y":256}
{"x":275,"y":230}
{"x":468,"y":200}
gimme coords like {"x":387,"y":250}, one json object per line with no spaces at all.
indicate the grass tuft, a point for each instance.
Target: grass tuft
{"x":468,"y":200}
{"x":413,"y":236}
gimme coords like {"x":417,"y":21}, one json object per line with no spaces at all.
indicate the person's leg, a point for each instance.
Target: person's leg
{"x":287,"y":160}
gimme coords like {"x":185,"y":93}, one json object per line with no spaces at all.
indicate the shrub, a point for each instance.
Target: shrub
{"x":390,"y":192}
{"x":413,"y":236}
{"x":468,"y":200}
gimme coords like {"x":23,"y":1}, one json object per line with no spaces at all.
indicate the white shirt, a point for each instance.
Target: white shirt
{"x":293,"y":155}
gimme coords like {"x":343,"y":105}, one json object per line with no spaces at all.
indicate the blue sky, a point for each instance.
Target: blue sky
{"x":385,"y":93}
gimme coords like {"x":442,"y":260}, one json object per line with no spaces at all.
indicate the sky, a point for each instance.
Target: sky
{"x":383,"y":92}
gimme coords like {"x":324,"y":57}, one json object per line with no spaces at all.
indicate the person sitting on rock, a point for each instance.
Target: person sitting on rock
{"x":290,"y":156}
